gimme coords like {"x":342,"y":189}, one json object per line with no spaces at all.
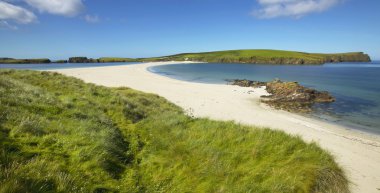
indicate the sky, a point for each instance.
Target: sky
{"x":58,"y":29}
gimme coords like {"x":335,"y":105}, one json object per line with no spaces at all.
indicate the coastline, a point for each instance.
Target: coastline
{"x":227,"y":102}
{"x":331,"y":113}
{"x":354,"y":127}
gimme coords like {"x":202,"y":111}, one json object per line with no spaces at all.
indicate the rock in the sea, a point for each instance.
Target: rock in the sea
{"x":290,"y":96}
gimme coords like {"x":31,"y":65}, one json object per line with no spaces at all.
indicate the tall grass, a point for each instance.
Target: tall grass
{"x":58,"y":134}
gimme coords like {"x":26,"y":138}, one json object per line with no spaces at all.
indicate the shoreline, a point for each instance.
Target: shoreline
{"x":356,"y":152}
{"x":355,"y":127}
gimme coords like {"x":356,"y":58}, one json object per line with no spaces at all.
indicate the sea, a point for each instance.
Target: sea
{"x":356,"y":86}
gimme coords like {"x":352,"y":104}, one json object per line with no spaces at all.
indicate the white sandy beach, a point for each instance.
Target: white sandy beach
{"x":357,"y":152}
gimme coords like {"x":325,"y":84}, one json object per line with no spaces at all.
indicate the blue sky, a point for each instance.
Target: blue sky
{"x":58,"y":29}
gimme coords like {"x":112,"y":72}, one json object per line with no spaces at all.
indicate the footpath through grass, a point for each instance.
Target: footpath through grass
{"x":59,"y":134}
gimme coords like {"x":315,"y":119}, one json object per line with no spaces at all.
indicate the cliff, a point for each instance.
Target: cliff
{"x":349,"y":57}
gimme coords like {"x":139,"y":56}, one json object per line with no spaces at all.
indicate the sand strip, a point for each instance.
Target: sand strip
{"x":357,"y":152}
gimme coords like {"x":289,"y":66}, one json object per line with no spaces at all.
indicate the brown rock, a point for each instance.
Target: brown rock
{"x":289,"y":96}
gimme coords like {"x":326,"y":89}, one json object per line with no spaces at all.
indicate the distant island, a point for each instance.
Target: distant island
{"x":266,"y":57}
{"x":24,"y":61}
{"x":230,"y":56}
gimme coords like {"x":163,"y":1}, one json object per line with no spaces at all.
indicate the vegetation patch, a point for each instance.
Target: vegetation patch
{"x":24,"y":61}
{"x":59,"y":134}
{"x":229,"y":56}
{"x":82,"y":60}
{"x":265,"y":57}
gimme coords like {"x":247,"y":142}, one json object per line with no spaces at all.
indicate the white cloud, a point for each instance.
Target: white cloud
{"x":15,"y":13}
{"x":59,"y":7}
{"x":91,"y":18}
{"x":292,"y":8}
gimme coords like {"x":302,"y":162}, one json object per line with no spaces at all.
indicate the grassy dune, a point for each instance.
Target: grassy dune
{"x":266,"y":57}
{"x":59,"y":134}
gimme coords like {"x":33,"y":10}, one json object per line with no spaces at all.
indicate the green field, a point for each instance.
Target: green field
{"x":265,"y":57}
{"x":59,"y":134}
{"x":24,"y":61}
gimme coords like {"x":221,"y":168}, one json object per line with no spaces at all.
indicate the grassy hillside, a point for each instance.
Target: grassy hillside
{"x":23,"y":61}
{"x":58,"y":134}
{"x":230,"y":56}
{"x":265,"y":57}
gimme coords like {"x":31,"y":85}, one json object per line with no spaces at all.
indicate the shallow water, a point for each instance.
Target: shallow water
{"x":356,"y":86}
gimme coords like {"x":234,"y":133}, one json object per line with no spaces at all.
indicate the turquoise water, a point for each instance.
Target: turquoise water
{"x":356,"y":86}
{"x":53,"y":66}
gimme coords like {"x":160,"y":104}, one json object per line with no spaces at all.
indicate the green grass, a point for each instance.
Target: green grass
{"x":229,"y":56}
{"x":265,"y":57}
{"x":59,"y":134}
{"x":23,"y":61}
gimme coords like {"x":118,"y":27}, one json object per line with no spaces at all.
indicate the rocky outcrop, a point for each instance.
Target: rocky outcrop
{"x":247,"y":83}
{"x":352,"y":57}
{"x":289,"y":96}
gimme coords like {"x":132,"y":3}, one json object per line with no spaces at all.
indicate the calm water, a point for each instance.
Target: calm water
{"x":355,"y":85}
{"x":53,"y":66}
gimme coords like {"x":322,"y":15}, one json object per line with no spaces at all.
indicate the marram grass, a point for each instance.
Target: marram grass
{"x":58,"y":134}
